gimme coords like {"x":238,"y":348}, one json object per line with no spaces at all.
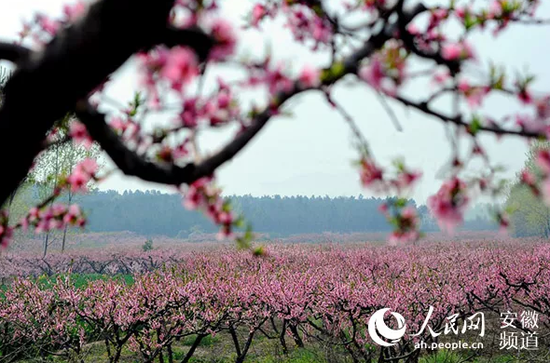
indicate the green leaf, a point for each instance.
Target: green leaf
{"x":259,"y":251}
{"x":334,"y":72}
{"x":401,"y":202}
{"x":469,"y":21}
{"x":475,"y":125}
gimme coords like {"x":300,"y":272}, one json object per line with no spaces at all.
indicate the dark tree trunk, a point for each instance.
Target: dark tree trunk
{"x":192,"y":349}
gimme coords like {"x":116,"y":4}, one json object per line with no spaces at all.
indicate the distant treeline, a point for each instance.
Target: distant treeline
{"x":155,"y":213}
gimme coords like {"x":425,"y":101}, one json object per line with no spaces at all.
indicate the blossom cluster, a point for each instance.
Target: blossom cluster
{"x":47,"y":215}
{"x":56,"y":216}
{"x":203,"y":195}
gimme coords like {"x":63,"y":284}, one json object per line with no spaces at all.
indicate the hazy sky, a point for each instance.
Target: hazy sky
{"x":311,"y":153}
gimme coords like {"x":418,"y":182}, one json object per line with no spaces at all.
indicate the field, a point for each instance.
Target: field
{"x":201,"y":302}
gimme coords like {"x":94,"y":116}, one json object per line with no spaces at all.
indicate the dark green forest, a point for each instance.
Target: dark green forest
{"x":155,"y":213}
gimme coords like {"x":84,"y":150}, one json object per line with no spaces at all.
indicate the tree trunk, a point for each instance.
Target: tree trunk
{"x":296,"y":336}
{"x":242,"y":356}
{"x":65,"y":229}
{"x":192,"y":349}
{"x":53,"y":191}
{"x":46,"y":244}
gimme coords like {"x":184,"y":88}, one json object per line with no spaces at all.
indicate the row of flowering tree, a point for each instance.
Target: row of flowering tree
{"x":380,"y":44}
{"x":109,"y":263}
{"x":297,"y":296}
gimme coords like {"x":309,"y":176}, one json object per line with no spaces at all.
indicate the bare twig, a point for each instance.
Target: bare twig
{"x":423,"y":107}
{"x":390,"y":112}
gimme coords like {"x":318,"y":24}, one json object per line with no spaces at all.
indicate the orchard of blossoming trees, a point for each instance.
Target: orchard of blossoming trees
{"x":175,"y":41}
{"x":295,"y":296}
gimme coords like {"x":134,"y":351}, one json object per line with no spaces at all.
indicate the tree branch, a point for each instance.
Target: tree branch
{"x":78,"y":59}
{"x":132,"y":164}
{"x":13,"y":52}
{"x":191,"y":37}
{"x":387,"y":32}
{"x":423,"y":106}
{"x":408,"y":39}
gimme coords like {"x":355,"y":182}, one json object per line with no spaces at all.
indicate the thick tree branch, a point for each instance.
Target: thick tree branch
{"x":75,"y":62}
{"x":191,"y":37}
{"x":13,"y":52}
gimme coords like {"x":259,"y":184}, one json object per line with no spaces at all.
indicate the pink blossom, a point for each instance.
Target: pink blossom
{"x":219,"y":117}
{"x":191,"y":113}
{"x":527,"y":178}
{"x":192,"y":199}
{"x":224,"y":99}
{"x":258,"y":12}
{"x":226,"y":40}
{"x":225,"y":218}
{"x":543,"y":107}
{"x":49,"y":25}
{"x":310,"y":76}
{"x":181,"y":67}
{"x":5,"y":236}
{"x":370,"y":172}
{"x":124,"y":127}
{"x":457,"y":51}
{"x":441,"y":77}
{"x":224,"y":233}
{"x":82,"y":174}
{"x":406,"y":178}
{"x":440,"y":13}
{"x":181,"y":150}
{"x":406,"y":222}
{"x":449,"y":204}
{"x":474,"y":95}
{"x":222,"y":109}
{"x":529,"y":123}
{"x":73,"y":216}
{"x":79,"y":133}
{"x":33,"y":214}
{"x":413,"y":29}
{"x":75,"y":11}
{"x":461,"y":12}
{"x":373,"y":73}
{"x":409,"y":213}
{"x":320,"y":31}
{"x":543,"y":161}
{"x":78,"y":181}
{"x":155,"y":60}
{"x":495,"y":9}
{"x":277,"y":81}
{"x":525,"y":96}
{"x":398,"y":237}
{"x":463,"y":86}
{"x":88,"y":166}
{"x":451,"y":51}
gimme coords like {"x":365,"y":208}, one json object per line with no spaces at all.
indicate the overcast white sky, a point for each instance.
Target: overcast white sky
{"x":311,"y":153}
